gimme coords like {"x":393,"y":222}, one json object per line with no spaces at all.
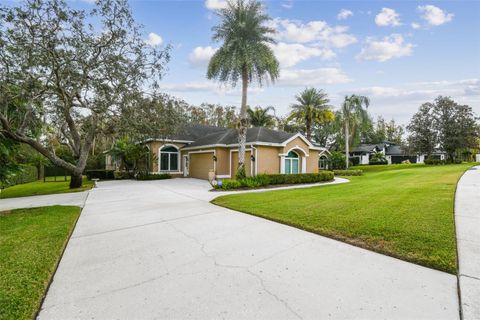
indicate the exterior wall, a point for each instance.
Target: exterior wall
{"x":312,"y":161}
{"x":223,"y":161}
{"x":296,"y":143}
{"x":268,"y":160}
{"x":155,"y":145}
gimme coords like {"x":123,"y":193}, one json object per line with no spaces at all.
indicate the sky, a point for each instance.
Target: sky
{"x":398,"y":53}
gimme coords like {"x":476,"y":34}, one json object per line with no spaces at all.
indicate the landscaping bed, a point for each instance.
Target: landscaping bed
{"x":405,"y":211}
{"x":273,"y":180}
{"x":31,"y":244}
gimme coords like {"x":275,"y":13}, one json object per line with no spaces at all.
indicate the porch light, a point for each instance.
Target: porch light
{"x":252,"y":158}
{"x":214,"y":158}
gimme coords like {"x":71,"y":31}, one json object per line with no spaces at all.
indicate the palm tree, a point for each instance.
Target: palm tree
{"x":244,"y":55}
{"x":259,"y":117}
{"x":353,"y":115}
{"x":312,"y":107}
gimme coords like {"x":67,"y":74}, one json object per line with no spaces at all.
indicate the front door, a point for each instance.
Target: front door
{"x":185,"y":166}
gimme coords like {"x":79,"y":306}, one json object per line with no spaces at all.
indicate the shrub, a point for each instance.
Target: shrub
{"x":377,"y":162}
{"x":356,"y":172}
{"x":121,"y":175}
{"x":153,"y":176}
{"x":435,"y":162}
{"x":337,"y":161}
{"x":378,"y":158}
{"x":274,"y":179}
{"x":99,"y":174}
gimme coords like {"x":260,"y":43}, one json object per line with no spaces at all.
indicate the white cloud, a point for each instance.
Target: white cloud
{"x":208,"y":86}
{"x":201,"y":55}
{"x":290,"y":54}
{"x":415,"y":25}
{"x":288,"y":4}
{"x":434,"y":16}
{"x":319,"y":32}
{"x":154,"y":39}
{"x":390,"y":47}
{"x":402,"y":101}
{"x":215,"y":4}
{"x":344,"y":14}
{"x":387,"y":17}
{"x":312,"y":77}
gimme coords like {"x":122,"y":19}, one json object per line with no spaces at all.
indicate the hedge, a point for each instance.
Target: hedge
{"x":153,"y":176}
{"x":264,"y":180}
{"x":356,"y":172}
{"x":101,"y":174}
{"x":435,"y":162}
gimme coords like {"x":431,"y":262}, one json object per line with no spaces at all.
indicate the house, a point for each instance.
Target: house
{"x":393,"y":152}
{"x":197,"y":150}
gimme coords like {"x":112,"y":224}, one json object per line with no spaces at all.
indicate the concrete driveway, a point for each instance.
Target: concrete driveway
{"x":160,"y":250}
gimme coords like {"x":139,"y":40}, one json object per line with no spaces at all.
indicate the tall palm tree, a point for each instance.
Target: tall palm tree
{"x":244,"y":55}
{"x":259,"y":117}
{"x":354,"y":115}
{"x":312,"y":107}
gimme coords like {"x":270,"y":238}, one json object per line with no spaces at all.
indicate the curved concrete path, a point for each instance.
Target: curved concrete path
{"x":66,"y":199}
{"x":160,"y":250}
{"x":467,"y":221}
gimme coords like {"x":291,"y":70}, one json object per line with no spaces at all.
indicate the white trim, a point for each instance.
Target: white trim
{"x":207,"y":146}
{"x":293,"y":149}
{"x":304,"y":165}
{"x":223,"y":176}
{"x":186,"y":169}
{"x":179,"y":155}
{"x":163,"y":140}
{"x":282,"y":164}
{"x":298,"y":135}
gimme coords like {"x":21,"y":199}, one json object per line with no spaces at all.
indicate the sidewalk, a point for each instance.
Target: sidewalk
{"x":467,"y":220}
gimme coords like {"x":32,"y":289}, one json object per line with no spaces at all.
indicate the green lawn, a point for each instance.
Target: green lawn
{"x":31,"y":242}
{"x":405,"y":211}
{"x":41,"y":188}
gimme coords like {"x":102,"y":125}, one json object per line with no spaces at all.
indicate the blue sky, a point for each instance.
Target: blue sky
{"x":399,"y":53}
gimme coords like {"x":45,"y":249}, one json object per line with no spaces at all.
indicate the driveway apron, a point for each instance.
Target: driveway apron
{"x":160,"y":250}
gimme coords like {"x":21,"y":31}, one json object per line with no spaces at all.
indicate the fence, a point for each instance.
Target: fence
{"x":55,"y":174}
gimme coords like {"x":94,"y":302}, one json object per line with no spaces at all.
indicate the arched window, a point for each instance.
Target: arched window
{"x":323,"y":163}
{"x":291,"y":163}
{"x":168,"y":158}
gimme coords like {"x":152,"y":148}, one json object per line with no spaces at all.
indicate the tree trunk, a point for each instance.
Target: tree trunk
{"x":308,"y":130}
{"x":347,"y":153}
{"x":242,"y":131}
{"x":75,"y":181}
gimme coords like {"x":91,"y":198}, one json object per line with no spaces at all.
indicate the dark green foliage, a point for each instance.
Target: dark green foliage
{"x":259,"y":117}
{"x":241,"y":174}
{"x":122,"y":175}
{"x":435,"y":162}
{"x":337,"y":161}
{"x":378,"y":158}
{"x":357,"y":172}
{"x":275,"y":179}
{"x":100,"y":174}
{"x":153,"y":176}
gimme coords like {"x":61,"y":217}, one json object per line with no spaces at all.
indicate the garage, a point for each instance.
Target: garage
{"x":200,"y":165}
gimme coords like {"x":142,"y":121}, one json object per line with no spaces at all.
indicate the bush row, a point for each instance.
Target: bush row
{"x":437,"y":162}
{"x":264,"y":180}
{"x":356,"y":172}
{"x":100,"y":174}
{"x":374,"y":162}
{"x":153,"y":176}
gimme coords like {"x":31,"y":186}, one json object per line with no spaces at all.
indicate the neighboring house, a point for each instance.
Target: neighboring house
{"x":393,"y":152}
{"x":197,"y":150}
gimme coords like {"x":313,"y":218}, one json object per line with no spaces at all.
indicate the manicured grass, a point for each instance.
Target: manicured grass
{"x":41,"y":188}
{"x":31,"y":242}
{"x":405,"y":211}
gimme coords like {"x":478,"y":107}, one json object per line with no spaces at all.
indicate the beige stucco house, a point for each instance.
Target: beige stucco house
{"x":199,"y":149}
